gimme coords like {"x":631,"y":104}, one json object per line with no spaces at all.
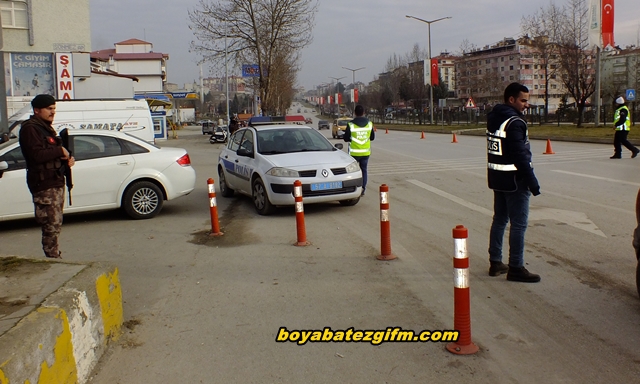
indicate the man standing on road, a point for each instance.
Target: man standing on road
{"x":511,"y":177}
{"x":359,"y":134}
{"x":46,"y":158}
{"x":622,"y":122}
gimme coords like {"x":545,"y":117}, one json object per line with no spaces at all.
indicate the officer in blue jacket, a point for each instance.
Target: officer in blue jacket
{"x":510,"y":176}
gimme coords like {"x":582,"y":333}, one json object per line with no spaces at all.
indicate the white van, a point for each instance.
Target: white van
{"x":126,"y":115}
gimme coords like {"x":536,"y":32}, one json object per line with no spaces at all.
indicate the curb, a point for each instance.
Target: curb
{"x":62,"y":340}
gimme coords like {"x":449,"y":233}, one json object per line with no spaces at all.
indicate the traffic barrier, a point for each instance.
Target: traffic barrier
{"x":455,"y":139}
{"x":422,"y":136}
{"x":213,"y":209}
{"x":385,"y":230}
{"x":300,"y":228}
{"x":549,"y":151}
{"x":461,"y":303}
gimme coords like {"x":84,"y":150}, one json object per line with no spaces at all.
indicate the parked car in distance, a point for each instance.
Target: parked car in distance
{"x":208,"y":127}
{"x":339,"y":126}
{"x":264,"y":161}
{"x":323,"y":124}
{"x":112,"y":170}
{"x":308,"y":120}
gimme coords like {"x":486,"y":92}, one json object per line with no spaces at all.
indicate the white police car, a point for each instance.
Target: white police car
{"x":264,"y":159}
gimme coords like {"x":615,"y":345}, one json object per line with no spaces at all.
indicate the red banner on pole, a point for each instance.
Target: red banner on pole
{"x":339,"y":98}
{"x":434,"y":71}
{"x":355,"y":95}
{"x":607,"y":23}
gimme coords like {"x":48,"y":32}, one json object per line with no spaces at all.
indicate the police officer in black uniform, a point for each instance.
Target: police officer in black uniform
{"x":46,"y":158}
{"x":512,"y":180}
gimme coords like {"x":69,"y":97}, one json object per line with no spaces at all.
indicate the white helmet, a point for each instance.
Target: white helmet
{"x":620,"y":100}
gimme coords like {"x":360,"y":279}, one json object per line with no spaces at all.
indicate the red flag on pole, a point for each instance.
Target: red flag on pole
{"x":339,"y":98}
{"x":355,"y":95}
{"x":434,"y":71}
{"x":607,"y":23}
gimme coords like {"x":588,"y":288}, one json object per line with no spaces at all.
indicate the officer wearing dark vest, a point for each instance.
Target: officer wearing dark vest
{"x":45,"y":157}
{"x":512,"y":180}
{"x":622,"y":124}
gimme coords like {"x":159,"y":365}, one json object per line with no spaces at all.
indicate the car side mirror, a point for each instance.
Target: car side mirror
{"x":244,"y":152}
{"x":338,"y":145}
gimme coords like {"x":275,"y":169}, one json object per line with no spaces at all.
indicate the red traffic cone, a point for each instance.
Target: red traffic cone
{"x":455,"y":139}
{"x":386,"y":131}
{"x":549,"y":151}
{"x":422,"y":136}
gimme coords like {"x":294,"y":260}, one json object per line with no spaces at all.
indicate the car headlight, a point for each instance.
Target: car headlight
{"x":282,"y":172}
{"x":353,"y":167}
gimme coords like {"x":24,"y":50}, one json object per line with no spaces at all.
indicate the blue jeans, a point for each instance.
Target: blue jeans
{"x":363,"y":161}
{"x":513,"y":208}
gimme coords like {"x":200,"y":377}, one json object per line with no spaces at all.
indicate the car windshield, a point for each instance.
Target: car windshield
{"x":287,"y":140}
{"x":343,"y":123}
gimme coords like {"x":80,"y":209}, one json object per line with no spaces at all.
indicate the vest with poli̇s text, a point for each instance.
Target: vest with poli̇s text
{"x":360,"y":145}
{"x":627,"y":123}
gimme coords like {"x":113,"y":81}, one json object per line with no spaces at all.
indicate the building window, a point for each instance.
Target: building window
{"x":527,"y":66}
{"x":535,"y":86}
{"x":502,"y":58}
{"x":14,"y":14}
{"x":535,"y":77}
{"x":502,"y":68}
{"x":553,"y":86}
{"x":487,"y":61}
{"x":511,"y":77}
{"x":511,"y":67}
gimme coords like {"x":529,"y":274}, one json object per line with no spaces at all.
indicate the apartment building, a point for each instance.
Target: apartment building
{"x":135,"y":58}
{"x":484,"y":73}
{"x":620,"y":70}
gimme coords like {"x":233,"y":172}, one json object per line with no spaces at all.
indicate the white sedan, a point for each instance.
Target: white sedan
{"x":112,"y":170}
{"x":263,"y":161}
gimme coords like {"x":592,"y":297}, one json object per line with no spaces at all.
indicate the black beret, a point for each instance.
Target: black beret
{"x":43,"y":101}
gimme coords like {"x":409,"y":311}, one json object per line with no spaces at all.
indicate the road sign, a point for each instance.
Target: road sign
{"x":470,"y":103}
{"x":250,"y":70}
{"x":631,"y":94}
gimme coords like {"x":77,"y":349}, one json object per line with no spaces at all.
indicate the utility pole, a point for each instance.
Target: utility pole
{"x":353,"y":71}
{"x":337,"y":79}
{"x":429,"y":22}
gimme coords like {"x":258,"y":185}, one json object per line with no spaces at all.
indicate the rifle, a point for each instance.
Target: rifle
{"x":64,"y":136}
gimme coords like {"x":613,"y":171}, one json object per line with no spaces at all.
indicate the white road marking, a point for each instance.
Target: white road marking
{"x":598,"y":178}
{"x":575,"y":219}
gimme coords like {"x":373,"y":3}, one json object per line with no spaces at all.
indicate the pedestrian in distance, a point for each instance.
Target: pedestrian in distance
{"x":46,"y":160}
{"x":512,"y":180}
{"x":622,"y":124}
{"x":359,"y":134}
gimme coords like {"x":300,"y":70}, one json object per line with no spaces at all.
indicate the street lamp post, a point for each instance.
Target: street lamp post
{"x":337,"y":105}
{"x":353,"y":71}
{"x":429,"y":22}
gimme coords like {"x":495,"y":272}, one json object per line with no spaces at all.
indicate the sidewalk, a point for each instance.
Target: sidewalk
{"x":56,"y":318}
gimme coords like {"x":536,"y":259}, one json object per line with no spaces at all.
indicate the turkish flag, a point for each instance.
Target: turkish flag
{"x":434,"y":71}
{"x":355,"y":95}
{"x":607,"y":23}
{"x":339,"y":98}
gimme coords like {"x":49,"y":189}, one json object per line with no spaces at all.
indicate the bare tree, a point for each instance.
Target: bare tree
{"x":269,"y":33}
{"x":543,"y":30}
{"x":575,"y":56}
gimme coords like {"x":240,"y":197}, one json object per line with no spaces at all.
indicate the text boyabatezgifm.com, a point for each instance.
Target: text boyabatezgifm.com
{"x":375,"y":337}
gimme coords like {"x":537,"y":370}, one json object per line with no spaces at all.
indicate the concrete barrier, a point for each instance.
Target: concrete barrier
{"x":62,"y":340}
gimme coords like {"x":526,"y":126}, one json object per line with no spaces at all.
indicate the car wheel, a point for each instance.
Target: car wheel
{"x":349,"y":203}
{"x":142,"y":200}
{"x":261,"y":198}
{"x":225,"y":191}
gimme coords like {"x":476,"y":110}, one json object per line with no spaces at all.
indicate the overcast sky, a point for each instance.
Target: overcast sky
{"x":348,"y":33}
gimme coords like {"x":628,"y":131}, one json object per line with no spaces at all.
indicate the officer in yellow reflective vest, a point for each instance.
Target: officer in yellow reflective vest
{"x":622,"y":123}
{"x":359,"y":134}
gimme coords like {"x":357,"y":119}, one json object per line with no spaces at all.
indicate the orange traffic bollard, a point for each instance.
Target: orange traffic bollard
{"x":422,"y":136}
{"x":213,"y":209}
{"x":385,"y":230}
{"x":300,"y":228}
{"x":455,"y":139}
{"x":549,"y":151}
{"x":461,"y":303}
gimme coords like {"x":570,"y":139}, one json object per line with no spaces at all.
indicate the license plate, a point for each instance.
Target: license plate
{"x":325,"y":186}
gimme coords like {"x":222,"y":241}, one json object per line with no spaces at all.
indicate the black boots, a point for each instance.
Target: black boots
{"x":498,"y":268}
{"x":522,"y":275}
